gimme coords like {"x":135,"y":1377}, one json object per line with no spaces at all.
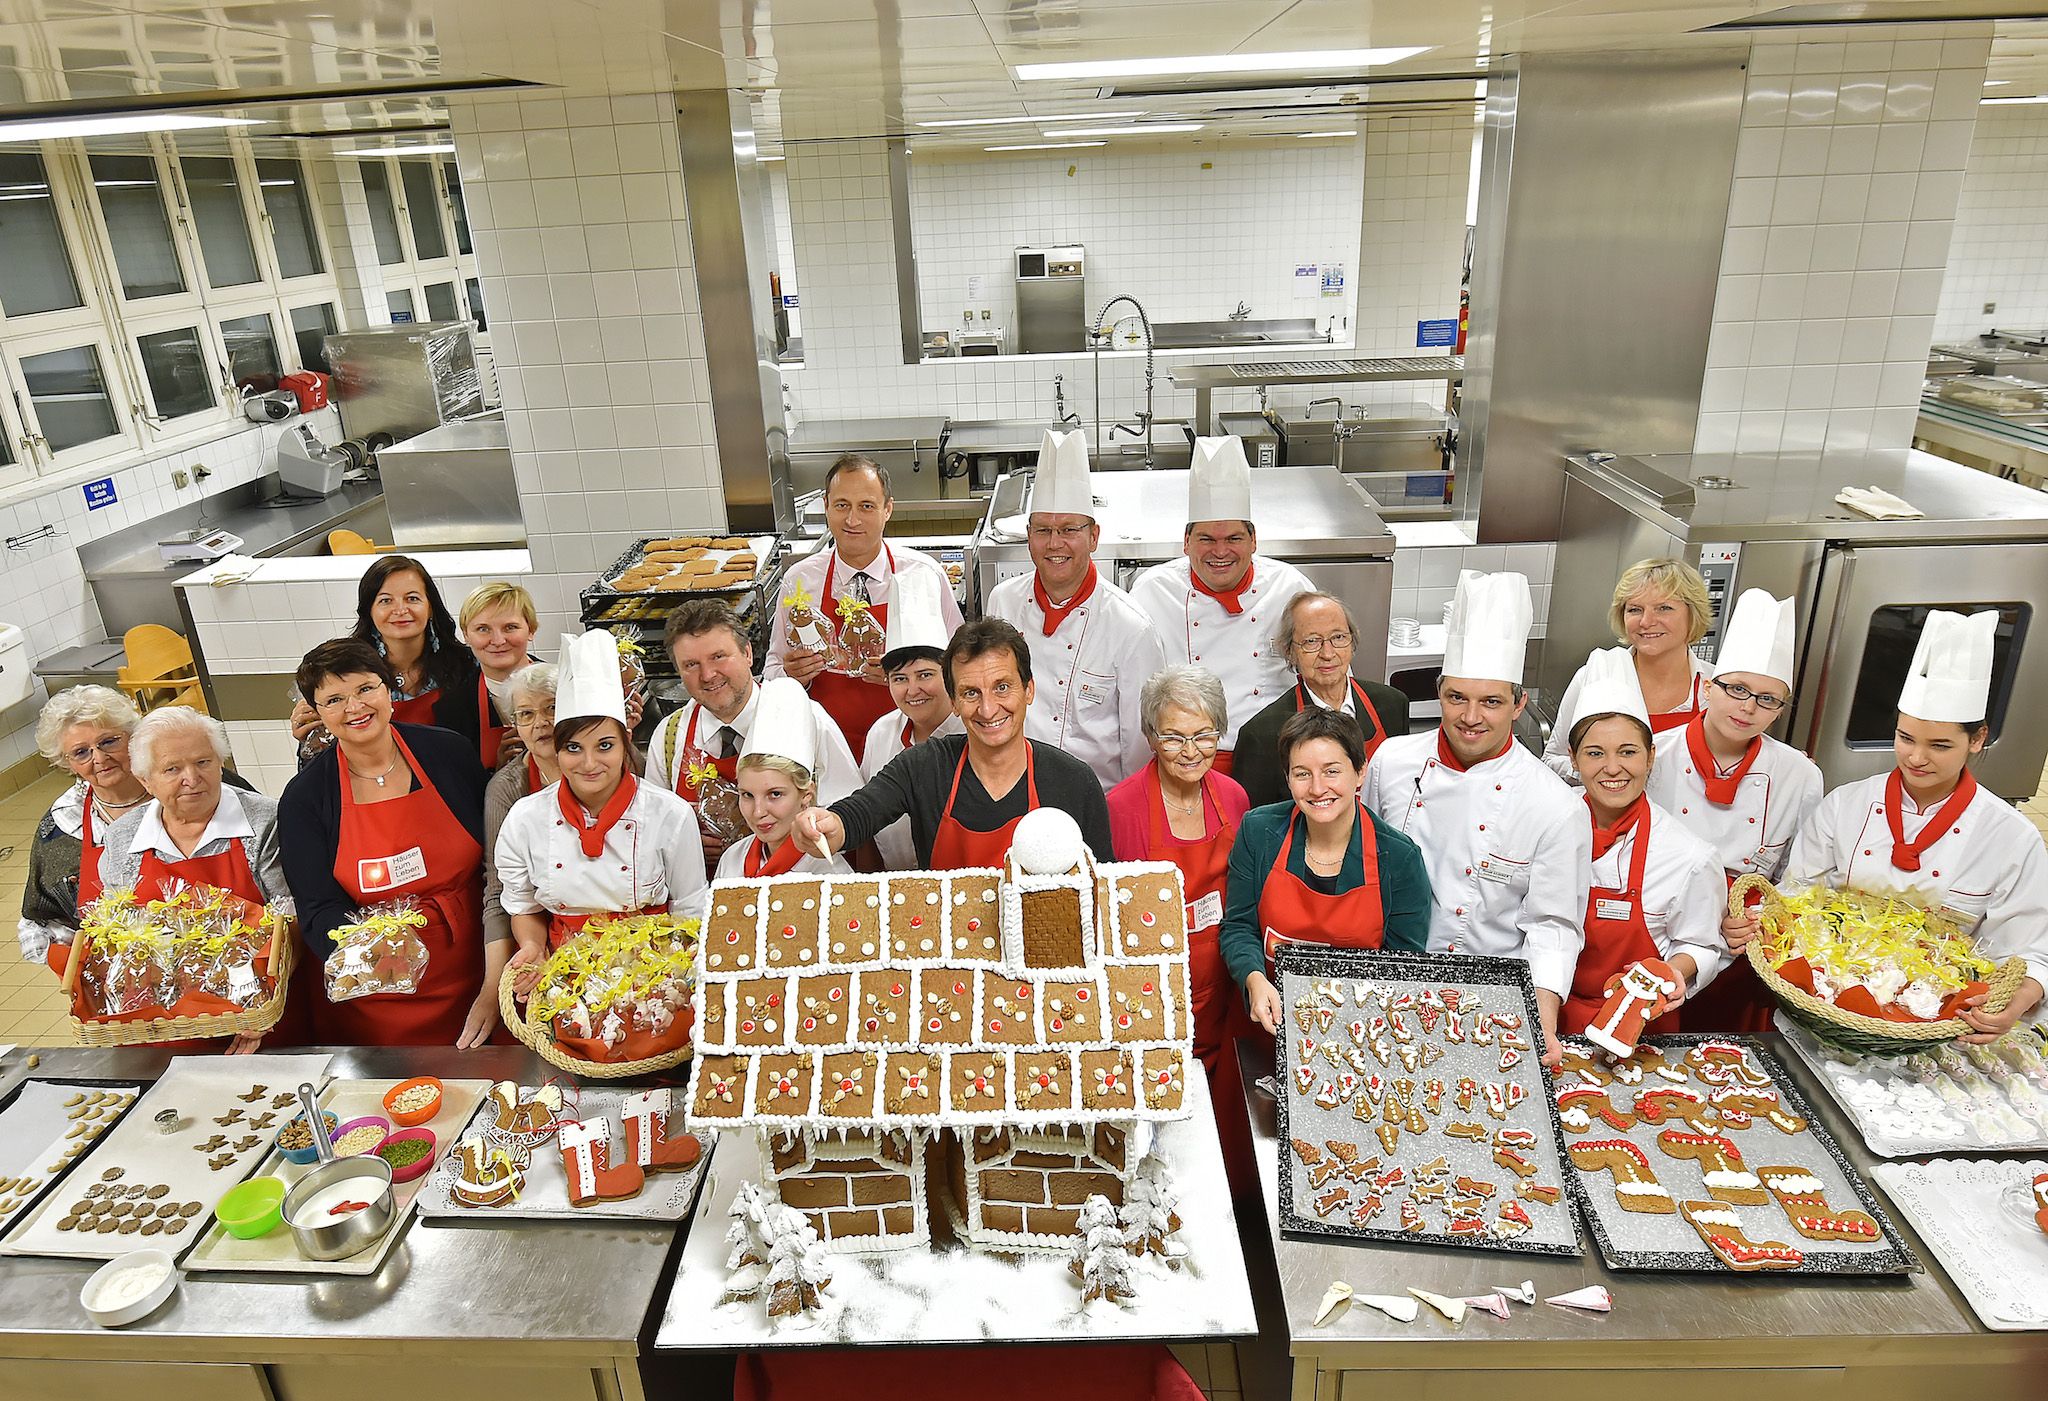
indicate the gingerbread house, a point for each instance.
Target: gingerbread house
{"x":991,"y":1044}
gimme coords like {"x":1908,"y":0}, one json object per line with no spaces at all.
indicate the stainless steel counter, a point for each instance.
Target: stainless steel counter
{"x":1240,"y":374}
{"x":1686,"y":1335}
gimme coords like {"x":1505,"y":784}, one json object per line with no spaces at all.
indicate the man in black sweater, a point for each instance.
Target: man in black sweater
{"x":964,"y":793}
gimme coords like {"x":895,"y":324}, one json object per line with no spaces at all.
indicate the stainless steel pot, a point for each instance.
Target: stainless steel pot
{"x":347,"y":1235}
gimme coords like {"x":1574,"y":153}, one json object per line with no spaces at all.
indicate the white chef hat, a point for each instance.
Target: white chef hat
{"x":1758,"y":637}
{"x":1950,"y":679}
{"x":1219,"y":481}
{"x":915,"y":619}
{"x":589,"y":682}
{"x":1610,"y":687}
{"x":1488,"y":635}
{"x":1062,"y":486}
{"x":783,"y":723}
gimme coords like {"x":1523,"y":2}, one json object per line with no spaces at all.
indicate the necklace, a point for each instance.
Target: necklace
{"x":377,"y":778}
{"x":1317,"y":864}
{"x":105,"y":806}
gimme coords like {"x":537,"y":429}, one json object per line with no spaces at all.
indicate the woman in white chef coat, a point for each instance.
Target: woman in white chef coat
{"x":1660,"y":609}
{"x":600,"y":841}
{"x":914,"y":662}
{"x":1738,"y":790}
{"x":1928,"y":829}
{"x":777,"y":780}
{"x":1655,"y":890}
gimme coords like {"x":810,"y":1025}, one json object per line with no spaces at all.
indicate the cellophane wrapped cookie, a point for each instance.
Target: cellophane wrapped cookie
{"x":151,"y":955}
{"x":1912,"y":965}
{"x":718,"y":801}
{"x":379,"y":951}
{"x":623,"y":979}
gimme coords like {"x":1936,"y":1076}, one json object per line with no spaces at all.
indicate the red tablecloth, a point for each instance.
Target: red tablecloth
{"x":1143,"y":1372}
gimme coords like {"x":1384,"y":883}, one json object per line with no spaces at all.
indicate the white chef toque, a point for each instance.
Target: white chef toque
{"x":783,"y":723}
{"x":1758,"y":637}
{"x":589,"y":682}
{"x":1219,"y":481}
{"x":1488,"y":635}
{"x":1062,"y":486}
{"x":914,"y":616}
{"x":1611,"y":687}
{"x":1950,"y":679}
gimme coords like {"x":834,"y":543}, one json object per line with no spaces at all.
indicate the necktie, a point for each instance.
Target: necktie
{"x":727,"y":738}
{"x":860,"y":588}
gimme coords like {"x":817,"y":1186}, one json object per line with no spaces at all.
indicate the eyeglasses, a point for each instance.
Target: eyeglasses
{"x":523,"y":718}
{"x":366,"y":693}
{"x":1336,"y":642}
{"x":110,"y":746}
{"x":1068,"y":533}
{"x":1204,"y":743}
{"x":1740,"y":693}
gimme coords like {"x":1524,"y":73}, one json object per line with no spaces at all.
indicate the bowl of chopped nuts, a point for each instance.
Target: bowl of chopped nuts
{"x":410,"y":1153}
{"x":411,"y":1103}
{"x":360,"y":1137}
{"x":295,"y":1139}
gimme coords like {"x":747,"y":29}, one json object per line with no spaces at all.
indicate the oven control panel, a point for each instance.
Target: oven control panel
{"x":1717,"y":566}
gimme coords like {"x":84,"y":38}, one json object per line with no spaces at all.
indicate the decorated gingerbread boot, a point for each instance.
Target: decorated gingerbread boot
{"x":654,"y":1141}
{"x":586,"y":1158}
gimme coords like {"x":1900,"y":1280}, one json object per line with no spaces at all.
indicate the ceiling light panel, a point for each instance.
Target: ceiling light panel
{"x":1042,"y":121}
{"x":1047,"y":146}
{"x":60,"y":128}
{"x":1302,"y":61}
{"x":1155,"y":129}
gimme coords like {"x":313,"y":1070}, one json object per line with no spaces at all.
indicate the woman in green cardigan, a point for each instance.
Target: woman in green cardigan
{"x":1320,"y":869}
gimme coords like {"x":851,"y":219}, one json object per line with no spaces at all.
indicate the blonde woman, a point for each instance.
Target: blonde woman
{"x":1660,"y":609}
{"x":498,"y":622}
{"x":776,"y":782}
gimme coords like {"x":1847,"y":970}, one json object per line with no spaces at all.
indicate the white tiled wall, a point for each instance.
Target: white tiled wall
{"x":1418,"y":175}
{"x":1847,"y":174}
{"x":1426,"y":577}
{"x":2000,"y":250}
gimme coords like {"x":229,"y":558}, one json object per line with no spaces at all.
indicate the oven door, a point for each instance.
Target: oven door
{"x":1873,"y":602}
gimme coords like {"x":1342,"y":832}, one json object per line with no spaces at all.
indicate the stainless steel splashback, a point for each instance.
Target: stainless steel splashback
{"x":1603,"y":199}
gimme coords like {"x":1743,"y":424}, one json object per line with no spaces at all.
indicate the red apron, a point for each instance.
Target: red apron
{"x":1378,"y":736}
{"x":564,"y":927}
{"x":490,"y":738}
{"x":230,"y":871}
{"x":955,"y":847}
{"x":1674,"y":719}
{"x":1204,"y":862}
{"x":688,"y":755}
{"x":89,"y":888}
{"x":853,"y":702}
{"x":1616,"y":936}
{"x":417,"y":711}
{"x":1291,"y":913}
{"x":412,"y":846}
{"x":1735,"y":1003}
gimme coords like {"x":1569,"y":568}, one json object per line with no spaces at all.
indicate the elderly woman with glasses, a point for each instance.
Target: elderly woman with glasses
{"x":85,"y":730}
{"x":391,"y":811}
{"x":1318,"y":636}
{"x":531,"y":698}
{"x":1178,"y":808}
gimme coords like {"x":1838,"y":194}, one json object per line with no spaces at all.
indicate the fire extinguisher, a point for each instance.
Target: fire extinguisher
{"x":1464,"y":316}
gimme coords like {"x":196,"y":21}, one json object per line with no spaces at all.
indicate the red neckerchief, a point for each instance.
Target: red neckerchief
{"x":533,"y":781}
{"x":1604,"y":838}
{"x":1720,"y":791}
{"x":1233,"y":599}
{"x":1905,"y":854}
{"x":593,"y":835}
{"x":1449,"y":760}
{"x":754,"y":865}
{"x":1056,"y":613}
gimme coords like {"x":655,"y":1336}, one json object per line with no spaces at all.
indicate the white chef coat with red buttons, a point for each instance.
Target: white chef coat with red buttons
{"x":1508,"y":847}
{"x":1752,"y":835}
{"x":1195,"y":629}
{"x":1990,"y":869}
{"x":652,"y":855}
{"x":1088,"y":675}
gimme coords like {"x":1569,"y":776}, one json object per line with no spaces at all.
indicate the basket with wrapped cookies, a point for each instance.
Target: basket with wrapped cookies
{"x":199,"y":962}
{"x":612,"y":1002}
{"x":379,"y":951}
{"x":1880,"y":975}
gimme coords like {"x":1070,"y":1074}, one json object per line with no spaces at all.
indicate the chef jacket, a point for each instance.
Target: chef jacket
{"x":652,"y":855}
{"x":1509,"y":849}
{"x":837,"y":775}
{"x":1557,"y":751}
{"x":894,"y":844}
{"x":732,"y":866}
{"x":1088,"y":674}
{"x":1753,"y":834}
{"x":810,"y":572}
{"x":1195,"y":629}
{"x":1990,"y":869}
{"x":1684,"y":893}
{"x":248,"y":816}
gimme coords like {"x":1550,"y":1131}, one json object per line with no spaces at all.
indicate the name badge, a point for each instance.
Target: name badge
{"x":1206,"y":912}
{"x":1495,"y":872}
{"x":1617,"y":910}
{"x":1090,"y":693}
{"x":388,"y":872}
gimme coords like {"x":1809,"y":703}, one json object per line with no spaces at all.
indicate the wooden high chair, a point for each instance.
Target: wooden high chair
{"x":160,"y":669}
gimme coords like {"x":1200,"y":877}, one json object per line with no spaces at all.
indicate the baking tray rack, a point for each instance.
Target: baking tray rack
{"x":753,"y":601}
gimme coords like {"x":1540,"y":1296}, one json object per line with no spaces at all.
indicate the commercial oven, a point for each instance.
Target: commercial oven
{"x":1052,"y":295}
{"x":1864,"y":587}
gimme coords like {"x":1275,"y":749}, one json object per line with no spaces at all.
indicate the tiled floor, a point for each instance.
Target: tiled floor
{"x":31,"y":1009}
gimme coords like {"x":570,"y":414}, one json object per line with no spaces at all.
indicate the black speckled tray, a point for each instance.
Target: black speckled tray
{"x":1638,"y":1241}
{"x":1497,"y":985}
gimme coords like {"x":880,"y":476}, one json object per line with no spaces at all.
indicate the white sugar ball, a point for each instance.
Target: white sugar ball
{"x":1047,"y":842}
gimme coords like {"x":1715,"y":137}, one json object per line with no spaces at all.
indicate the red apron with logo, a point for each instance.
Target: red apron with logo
{"x":1291,"y":913}
{"x":853,"y":702}
{"x":956,"y":848}
{"x":89,"y":888}
{"x":1616,"y":936}
{"x":412,"y":846}
{"x":490,"y":737}
{"x":1204,"y":862}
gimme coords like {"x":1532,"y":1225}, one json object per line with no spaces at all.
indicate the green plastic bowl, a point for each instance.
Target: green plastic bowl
{"x":255,"y":1208}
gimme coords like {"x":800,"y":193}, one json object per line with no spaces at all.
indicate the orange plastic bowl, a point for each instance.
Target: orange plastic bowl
{"x":415,"y":1117}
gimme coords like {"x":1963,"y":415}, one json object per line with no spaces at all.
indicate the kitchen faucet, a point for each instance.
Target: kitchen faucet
{"x":1100,"y":331}
{"x":1243,"y":312}
{"x":1061,"y":414}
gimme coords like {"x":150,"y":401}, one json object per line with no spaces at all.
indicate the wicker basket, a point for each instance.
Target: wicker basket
{"x":542,"y":1043}
{"x":1851,"y":1031}
{"x":250,"y":1021}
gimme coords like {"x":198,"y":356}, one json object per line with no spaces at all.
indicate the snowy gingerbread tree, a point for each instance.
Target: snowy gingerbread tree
{"x":796,"y":1263}
{"x":1148,"y":1217}
{"x":1099,"y":1259}
{"x":748,"y":1238}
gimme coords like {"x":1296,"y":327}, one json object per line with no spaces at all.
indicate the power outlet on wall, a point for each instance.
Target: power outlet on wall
{"x":200,"y":471}
{"x":1990,"y":307}
{"x":179,"y":478}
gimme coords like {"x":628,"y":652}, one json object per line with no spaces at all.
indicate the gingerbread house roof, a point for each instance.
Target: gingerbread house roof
{"x":943,"y":999}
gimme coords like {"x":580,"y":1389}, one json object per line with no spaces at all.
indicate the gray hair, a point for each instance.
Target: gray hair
{"x":1283,"y":640}
{"x":536,"y":679}
{"x":1189,"y":687}
{"x":82,"y":705}
{"x":170,"y":720}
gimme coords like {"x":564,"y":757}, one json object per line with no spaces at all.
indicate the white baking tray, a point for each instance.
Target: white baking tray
{"x":1997,"y":1257}
{"x":1872,"y":1090}
{"x":37,"y":1130}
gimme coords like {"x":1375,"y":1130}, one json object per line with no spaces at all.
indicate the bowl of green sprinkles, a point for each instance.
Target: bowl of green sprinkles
{"x":410,"y":1153}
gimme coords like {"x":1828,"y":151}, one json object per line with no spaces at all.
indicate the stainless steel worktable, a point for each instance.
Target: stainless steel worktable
{"x":1687,"y":1336}
{"x":493,"y":1311}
